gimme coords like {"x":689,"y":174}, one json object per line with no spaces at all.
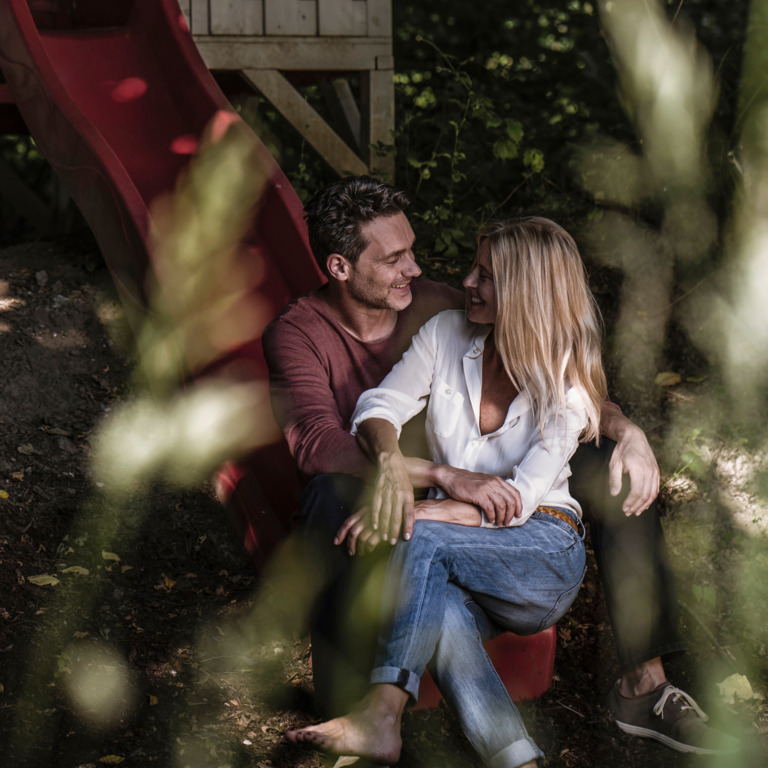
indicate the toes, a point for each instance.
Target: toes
{"x":306,"y":737}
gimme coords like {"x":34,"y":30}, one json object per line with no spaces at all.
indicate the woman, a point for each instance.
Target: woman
{"x":510,"y":387}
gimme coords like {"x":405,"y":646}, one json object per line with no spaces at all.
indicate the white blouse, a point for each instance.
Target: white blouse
{"x":442,"y":369}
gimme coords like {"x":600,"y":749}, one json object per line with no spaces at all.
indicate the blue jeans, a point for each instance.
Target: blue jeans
{"x":522,"y":578}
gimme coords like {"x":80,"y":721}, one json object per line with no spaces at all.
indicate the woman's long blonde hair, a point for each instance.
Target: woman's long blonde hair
{"x":548,"y":329}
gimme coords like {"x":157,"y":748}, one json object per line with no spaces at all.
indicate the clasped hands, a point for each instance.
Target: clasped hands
{"x":393,"y":509}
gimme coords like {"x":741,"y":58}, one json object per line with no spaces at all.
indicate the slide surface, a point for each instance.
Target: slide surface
{"x":117,"y":97}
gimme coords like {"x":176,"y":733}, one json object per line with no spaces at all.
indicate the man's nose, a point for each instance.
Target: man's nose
{"x":412,"y":269}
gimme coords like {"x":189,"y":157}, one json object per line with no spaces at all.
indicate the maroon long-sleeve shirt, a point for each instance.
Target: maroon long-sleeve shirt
{"x":317,"y":370}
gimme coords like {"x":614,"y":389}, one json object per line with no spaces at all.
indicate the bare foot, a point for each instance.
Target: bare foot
{"x":372,"y":731}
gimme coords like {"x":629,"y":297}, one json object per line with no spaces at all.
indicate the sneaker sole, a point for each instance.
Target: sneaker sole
{"x":647,"y":733}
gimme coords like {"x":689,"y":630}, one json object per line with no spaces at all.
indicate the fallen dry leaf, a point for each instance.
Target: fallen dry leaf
{"x":43,"y":580}
{"x":28,"y":450}
{"x":77,"y":569}
{"x":667,"y":379}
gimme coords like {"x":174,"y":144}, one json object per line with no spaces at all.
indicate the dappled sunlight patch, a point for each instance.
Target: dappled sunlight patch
{"x":7,"y":304}
{"x":183,"y":439}
{"x":98,"y":683}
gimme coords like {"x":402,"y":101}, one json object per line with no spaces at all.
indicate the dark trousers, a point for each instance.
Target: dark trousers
{"x":630,"y":552}
{"x":344,"y":623}
{"x":632,"y":560}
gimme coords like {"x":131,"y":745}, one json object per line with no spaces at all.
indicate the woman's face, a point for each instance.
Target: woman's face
{"x":480,"y":288}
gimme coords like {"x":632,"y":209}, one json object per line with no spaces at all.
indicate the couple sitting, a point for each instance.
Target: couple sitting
{"x":510,"y":384}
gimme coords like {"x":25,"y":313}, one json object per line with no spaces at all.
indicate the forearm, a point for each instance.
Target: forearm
{"x":448,"y":511}
{"x":377,"y":438}
{"x":329,"y":452}
{"x":614,"y":424}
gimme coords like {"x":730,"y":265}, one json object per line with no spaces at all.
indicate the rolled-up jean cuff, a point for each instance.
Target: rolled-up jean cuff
{"x":518,"y":753}
{"x":402,"y":678}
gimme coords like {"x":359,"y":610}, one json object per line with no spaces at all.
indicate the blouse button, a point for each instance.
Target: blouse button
{"x":447,"y":391}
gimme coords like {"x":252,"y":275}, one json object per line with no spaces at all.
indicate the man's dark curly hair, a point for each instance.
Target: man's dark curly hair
{"x":335,"y":215}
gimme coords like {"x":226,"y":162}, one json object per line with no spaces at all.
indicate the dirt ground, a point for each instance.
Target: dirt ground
{"x":133,"y":599}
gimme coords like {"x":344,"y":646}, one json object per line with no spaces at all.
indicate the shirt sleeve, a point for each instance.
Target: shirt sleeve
{"x":305,"y":407}
{"x":547,"y":456}
{"x":405,"y":389}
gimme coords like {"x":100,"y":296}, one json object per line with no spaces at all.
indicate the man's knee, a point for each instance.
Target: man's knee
{"x":589,"y":482}
{"x":328,"y":500}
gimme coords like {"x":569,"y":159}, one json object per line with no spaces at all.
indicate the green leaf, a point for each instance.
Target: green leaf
{"x":534,"y":159}
{"x":514,"y":130}
{"x":504,"y":149}
{"x":694,"y":462}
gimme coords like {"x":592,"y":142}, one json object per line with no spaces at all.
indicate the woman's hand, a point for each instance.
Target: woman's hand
{"x":498,"y":499}
{"x":448,"y":511}
{"x":358,"y":532}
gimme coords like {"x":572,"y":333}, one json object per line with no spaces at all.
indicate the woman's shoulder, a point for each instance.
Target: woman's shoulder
{"x":576,"y":399}
{"x":451,"y":322}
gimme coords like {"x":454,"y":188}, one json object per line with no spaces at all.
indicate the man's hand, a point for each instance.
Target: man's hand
{"x":633,"y":456}
{"x":358,"y":533}
{"x":498,"y":499}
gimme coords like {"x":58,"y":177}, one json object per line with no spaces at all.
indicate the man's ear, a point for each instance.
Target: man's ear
{"x":338,"y":267}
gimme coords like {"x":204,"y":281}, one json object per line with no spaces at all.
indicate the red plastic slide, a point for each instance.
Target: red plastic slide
{"x":116,"y":96}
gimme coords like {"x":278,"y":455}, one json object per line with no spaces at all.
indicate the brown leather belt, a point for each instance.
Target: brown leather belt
{"x":560,"y":515}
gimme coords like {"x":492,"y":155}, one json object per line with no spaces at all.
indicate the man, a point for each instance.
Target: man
{"x":328,"y":347}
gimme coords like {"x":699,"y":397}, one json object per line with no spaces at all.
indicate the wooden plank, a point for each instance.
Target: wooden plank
{"x":379,"y":18}
{"x":342,"y":18}
{"x":290,"y":17}
{"x":294,"y":108}
{"x":344,"y":54}
{"x":378,"y":118}
{"x":200,"y":23}
{"x":237,"y":17}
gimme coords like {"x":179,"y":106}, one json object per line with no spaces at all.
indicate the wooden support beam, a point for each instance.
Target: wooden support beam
{"x":294,"y":108}
{"x":341,"y":54}
{"x":344,"y":110}
{"x":378,"y":96}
